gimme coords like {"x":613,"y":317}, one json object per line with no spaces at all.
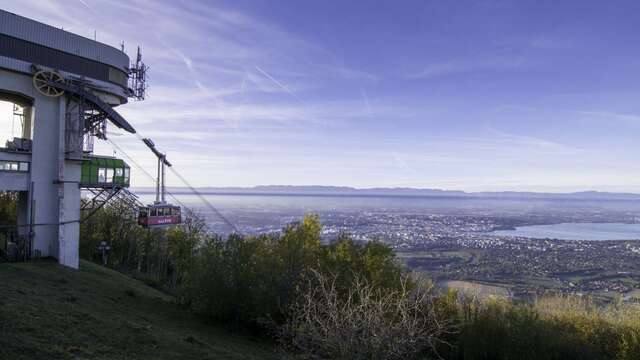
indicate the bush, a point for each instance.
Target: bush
{"x":8,"y":202}
{"x":160,"y":257}
{"x":250,"y":282}
{"x":553,"y":328}
{"x":365,"y":321}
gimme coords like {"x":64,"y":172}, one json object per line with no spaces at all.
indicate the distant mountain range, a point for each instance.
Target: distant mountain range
{"x":350,"y":191}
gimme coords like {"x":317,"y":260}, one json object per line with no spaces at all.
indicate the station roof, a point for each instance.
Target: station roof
{"x":22,"y":28}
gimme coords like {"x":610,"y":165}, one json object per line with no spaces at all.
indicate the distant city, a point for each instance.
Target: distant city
{"x":456,"y":237}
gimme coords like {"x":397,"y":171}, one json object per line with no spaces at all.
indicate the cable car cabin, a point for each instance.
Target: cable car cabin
{"x":104,"y":172}
{"x":159,"y":215}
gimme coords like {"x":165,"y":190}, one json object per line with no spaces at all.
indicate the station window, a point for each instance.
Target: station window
{"x":102,"y":175}
{"x":109,"y":175}
{"x":117,"y":76}
{"x":14,"y":166}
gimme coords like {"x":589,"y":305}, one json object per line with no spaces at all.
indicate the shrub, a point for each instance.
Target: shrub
{"x":552,"y":328}
{"x":8,"y":217}
{"x":365,"y":321}
{"x":251,"y":281}
{"x":8,"y":203}
{"x":160,"y":257}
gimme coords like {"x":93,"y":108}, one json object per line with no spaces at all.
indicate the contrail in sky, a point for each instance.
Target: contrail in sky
{"x":365,"y":98}
{"x":277,"y":83}
{"x":86,"y":5}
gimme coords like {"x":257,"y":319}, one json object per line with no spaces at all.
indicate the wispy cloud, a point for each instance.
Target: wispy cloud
{"x":531,"y":141}
{"x":610,"y":116}
{"x":551,"y":43}
{"x":457,"y":66}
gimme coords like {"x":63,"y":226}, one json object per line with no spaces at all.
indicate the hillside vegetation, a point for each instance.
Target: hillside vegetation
{"x":344,"y":300}
{"x":51,"y":312}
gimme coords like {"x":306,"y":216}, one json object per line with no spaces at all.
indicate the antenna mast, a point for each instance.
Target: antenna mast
{"x":138,"y":77}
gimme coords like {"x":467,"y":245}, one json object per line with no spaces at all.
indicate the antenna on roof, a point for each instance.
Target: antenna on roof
{"x":138,"y":77}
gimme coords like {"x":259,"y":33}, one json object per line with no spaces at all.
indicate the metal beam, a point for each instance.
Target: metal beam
{"x":110,"y":113}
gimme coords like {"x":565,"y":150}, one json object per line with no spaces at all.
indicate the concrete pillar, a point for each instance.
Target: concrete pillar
{"x":69,"y":172}
{"x":44,"y":174}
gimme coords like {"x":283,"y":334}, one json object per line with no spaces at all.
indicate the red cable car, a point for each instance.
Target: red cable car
{"x":160,"y":213}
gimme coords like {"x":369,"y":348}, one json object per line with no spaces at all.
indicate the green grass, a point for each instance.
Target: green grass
{"x":51,"y":312}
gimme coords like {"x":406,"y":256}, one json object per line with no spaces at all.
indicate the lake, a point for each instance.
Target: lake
{"x":577,"y":231}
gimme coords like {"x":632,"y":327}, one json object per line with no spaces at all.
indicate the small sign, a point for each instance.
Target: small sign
{"x":104,"y":249}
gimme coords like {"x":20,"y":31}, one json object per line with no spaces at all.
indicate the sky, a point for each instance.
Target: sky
{"x":466,"y":95}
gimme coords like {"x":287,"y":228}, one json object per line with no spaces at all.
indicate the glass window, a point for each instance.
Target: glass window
{"x":119,"y":172}
{"x":102,"y":175}
{"x":153,"y":212}
{"x":109,"y":175}
{"x":14,"y":166}
{"x":143,"y":212}
{"x":126,"y":174}
{"x":24,"y":166}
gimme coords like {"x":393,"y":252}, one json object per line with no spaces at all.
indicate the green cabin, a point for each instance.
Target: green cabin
{"x":104,"y":172}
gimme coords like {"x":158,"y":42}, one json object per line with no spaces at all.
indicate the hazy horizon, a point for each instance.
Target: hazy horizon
{"x":282,"y":188}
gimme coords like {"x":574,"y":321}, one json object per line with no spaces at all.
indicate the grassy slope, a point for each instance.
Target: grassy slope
{"x":51,"y":312}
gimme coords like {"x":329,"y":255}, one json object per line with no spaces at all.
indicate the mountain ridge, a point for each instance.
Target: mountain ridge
{"x":323,"y":190}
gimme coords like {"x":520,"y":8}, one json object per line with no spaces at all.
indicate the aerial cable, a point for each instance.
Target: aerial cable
{"x":197,"y":193}
{"x":204,"y":200}
{"x":136,"y":164}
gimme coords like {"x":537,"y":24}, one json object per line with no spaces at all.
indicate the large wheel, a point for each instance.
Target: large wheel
{"x":42,"y":80}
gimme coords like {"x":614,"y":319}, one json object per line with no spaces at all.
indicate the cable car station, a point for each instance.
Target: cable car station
{"x":59,"y":91}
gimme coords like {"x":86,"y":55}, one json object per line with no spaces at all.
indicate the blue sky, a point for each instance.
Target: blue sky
{"x":482,"y":95}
